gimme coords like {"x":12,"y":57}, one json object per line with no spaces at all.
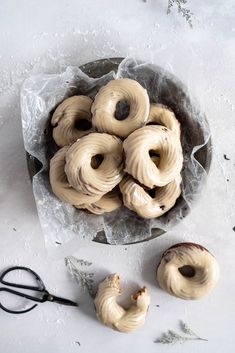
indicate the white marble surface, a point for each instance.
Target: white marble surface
{"x":34,"y":37}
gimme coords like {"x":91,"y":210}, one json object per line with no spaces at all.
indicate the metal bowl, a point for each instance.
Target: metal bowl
{"x":172,"y":94}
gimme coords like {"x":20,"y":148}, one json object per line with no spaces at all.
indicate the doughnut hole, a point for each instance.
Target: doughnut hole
{"x":154,"y":123}
{"x":83,"y":124}
{"x":151,"y":192}
{"x":155,"y":157}
{"x":153,"y":153}
{"x":96,"y":161}
{"x":122,"y":110}
{"x":187,"y":271}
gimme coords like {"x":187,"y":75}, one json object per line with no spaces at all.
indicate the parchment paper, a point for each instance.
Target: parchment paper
{"x":60,"y":221}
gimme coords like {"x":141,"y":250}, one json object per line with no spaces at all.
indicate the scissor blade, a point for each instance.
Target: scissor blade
{"x":59,"y":300}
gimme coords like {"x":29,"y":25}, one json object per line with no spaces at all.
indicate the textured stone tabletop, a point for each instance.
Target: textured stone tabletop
{"x":45,"y":36}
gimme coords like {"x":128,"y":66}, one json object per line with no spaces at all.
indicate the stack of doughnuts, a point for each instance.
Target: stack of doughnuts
{"x":104,"y":161}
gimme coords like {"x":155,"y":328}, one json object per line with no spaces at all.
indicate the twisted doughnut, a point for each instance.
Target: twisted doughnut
{"x":187,"y":271}
{"x":159,"y":139}
{"x":137,"y":199}
{"x":78,"y":167}
{"x":162,"y":115}
{"x":59,"y":182}
{"x":113,"y":315}
{"x":107,"y":203}
{"x":72,"y":120}
{"x":104,"y":107}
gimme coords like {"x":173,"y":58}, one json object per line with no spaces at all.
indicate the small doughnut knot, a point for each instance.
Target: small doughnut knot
{"x":104,"y":107}
{"x":107,"y":203}
{"x":138,"y":146}
{"x":187,"y":271}
{"x":112,"y":314}
{"x":136,"y":197}
{"x":59,"y":182}
{"x":72,"y":120}
{"x":162,"y":115}
{"x":78,"y":168}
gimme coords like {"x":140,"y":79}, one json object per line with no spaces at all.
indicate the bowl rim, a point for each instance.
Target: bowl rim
{"x":34,"y":166}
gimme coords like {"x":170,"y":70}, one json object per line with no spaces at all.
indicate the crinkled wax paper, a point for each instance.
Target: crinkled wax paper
{"x":60,"y":221}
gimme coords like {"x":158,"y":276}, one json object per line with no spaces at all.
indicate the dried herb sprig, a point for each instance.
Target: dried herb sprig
{"x":84,"y":279}
{"x":186,"y":329}
{"x":172,"y":337}
{"x":186,"y":13}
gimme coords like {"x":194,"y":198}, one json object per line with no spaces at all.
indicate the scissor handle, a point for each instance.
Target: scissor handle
{"x":25,"y":295}
{"x":17,"y":312}
{"x":19,"y":294}
{"x":40,"y":288}
{"x":45,"y":295}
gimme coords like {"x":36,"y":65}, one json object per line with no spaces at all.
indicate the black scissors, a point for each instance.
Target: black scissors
{"x":42,"y":298}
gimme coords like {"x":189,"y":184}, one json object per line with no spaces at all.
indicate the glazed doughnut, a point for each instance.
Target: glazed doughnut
{"x":162,"y":115}
{"x":187,"y":271}
{"x":104,"y":107}
{"x":112,"y":314}
{"x":82,"y":176}
{"x":66,"y":119}
{"x":107,"y":203}
{"x":59,"y":182}
{"x":137,"y":199}
{"x":138,"y":146}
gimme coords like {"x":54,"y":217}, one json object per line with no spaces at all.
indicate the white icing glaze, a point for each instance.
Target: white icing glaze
{"x":162,"y":115}
{"x":78,"y":167}
{"x":104,"y":107}
{"x":113,"y":315}
{"x":85,"y":182}
{"x":199,"y":259}
{"x":136,"y":198}
{"x":107,"y":203}
{"x":70,"y":111}
{"x":138,"y":162}
{"x":59,"y":182}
